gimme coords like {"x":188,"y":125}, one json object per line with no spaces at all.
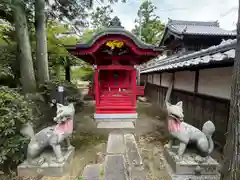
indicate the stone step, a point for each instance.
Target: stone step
{"x":115,"y":144}
{"x":133,"y":158}
{"x":115,"y":125}
{"x":114,"y":168}
{"x":93,"y":172}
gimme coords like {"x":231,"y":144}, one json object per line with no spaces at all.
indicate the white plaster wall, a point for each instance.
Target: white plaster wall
{"x":149,"y":79}
{"x":184,"y":80}
{"x":215,"y":82}
{"x":156,"y":79}
{"x":166,"y":77}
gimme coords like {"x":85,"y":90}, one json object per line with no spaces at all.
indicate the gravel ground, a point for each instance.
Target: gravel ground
{"x":152,"y":136}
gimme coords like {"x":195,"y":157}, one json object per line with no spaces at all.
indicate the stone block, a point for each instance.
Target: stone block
{"x":93,"y":172}
{"x":134,"y":160}
{"x":132,"y":152}
{"x":188,"y":164}
{"x":115,"y":144}
{"x":114,"y":168}
{"x":137,"y":173}
{"x":188,"y":167}
{"x":49,"y":167}
{"x":173,"y":176}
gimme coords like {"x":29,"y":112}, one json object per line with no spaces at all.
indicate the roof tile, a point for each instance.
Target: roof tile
{"x":224,"y":51}
{"x":198,"y":28}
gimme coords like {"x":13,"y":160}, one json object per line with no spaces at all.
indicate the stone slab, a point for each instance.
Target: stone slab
{"x":132,"y":152}
{"x":49,"y":167}
{"x":93,"y":172}
{"x":115,"y":125}
{"x":133,"y":158}
{"x":137,"y":173}
{"x":187,"y":165}
{"x":114,"y":168}
{"x":115,"y":144}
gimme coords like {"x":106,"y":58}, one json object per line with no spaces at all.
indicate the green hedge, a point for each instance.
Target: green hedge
{"x":14,"y":112}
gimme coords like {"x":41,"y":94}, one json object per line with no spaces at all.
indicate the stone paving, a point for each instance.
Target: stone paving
{"x":122,"y":161}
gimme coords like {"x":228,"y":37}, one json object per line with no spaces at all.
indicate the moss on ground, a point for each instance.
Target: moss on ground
{"x":86,"y":139}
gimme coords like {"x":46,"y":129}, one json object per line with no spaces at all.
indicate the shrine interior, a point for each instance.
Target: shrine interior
{"x":115,"y":86}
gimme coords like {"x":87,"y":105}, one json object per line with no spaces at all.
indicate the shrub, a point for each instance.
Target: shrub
{"x":14,"y":112}
{"x":43,"y":113}
{"x":83,"y":73}
{"x":88,"y":77}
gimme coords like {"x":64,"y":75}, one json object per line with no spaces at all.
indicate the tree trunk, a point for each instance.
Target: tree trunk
{"x":231,"y":165}
{"x":41,"y":42}
{"x":28,"y":80}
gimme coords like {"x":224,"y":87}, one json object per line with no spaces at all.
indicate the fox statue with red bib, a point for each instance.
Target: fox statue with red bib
{"x":187,"y":133}
{"x":51,"y":136}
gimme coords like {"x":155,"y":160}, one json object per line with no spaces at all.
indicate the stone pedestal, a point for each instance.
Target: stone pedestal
{"x":49,"y":166}
{"x":190,"y":166}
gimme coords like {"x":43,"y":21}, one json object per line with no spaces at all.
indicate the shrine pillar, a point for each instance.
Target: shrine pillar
{"x":96,"y":84}
{"x":134,"y":87}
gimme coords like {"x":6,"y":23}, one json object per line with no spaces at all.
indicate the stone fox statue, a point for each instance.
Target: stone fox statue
{"x":51,"y":136}
{"x":187,"y":133}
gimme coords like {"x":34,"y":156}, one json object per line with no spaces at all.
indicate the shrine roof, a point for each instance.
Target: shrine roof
{"x":223,"y":53}
{"x":117,"y":32}
{"x":198,"y":27}
{"x":180,"y":28}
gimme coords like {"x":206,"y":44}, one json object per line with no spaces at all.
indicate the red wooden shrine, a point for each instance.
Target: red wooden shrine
{"x":114,"y":53}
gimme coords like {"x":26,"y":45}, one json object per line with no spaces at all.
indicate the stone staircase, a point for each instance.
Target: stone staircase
{"x":122,"y":160}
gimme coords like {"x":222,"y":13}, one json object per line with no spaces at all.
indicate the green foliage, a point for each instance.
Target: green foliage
{"x":9,"y":67}
{"x":150,"y":25}
{"x":6,"y":33}
{"x":80,"y":178}
{"x":87,"y":35}
{"x":83,"y":73}
{"x":5,"y":72}
{"x":59,"y":57}
{"x":15,"y":111}
{"x":76,"y":11}
{"x":88,"y":76}
{"x":101,"y":17}
{"x":57,"y":39}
